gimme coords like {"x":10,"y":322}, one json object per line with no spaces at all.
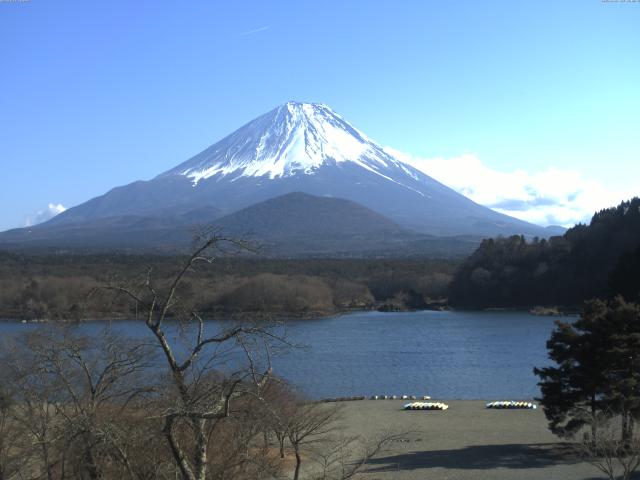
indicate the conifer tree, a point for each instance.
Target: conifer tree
{"x":597,"y":369}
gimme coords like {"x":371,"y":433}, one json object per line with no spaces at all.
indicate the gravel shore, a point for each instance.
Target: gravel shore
{"x":465,"y":442}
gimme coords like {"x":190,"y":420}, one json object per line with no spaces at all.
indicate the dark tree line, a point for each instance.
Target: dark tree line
{"x":56,"y":286}
{"x":598,"y":260}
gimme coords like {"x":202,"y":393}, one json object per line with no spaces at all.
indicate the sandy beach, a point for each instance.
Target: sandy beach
{"x":465,"y":442}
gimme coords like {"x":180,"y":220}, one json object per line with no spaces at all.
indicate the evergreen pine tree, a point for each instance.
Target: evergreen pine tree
{"x":597,"y":369}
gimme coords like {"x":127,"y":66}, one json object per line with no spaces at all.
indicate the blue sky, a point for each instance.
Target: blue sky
{"x":530,"y":107}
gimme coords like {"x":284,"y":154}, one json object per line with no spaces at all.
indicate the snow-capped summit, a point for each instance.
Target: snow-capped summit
{"x":294,"y":138}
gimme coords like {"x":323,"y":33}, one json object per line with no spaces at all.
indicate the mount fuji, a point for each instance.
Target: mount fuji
{"x":297,"y":147}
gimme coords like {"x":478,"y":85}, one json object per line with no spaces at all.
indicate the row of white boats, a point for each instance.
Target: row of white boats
{"x":399,"y":397}
{"x":511,"y":404}
{"x":426,"y":406}
{"x":504,"y":404}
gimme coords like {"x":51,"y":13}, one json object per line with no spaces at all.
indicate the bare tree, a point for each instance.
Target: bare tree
{"x":280,"y":404}
{"x":343,"y":457}
{"x":241,"y":452}
{"x":197,"y":400}
{"x":100,"y":407}
{"x":35,"y":395}
{"x":313,"y":430}
{"x":73,"y":395}
{"x":608,"y":451}
{"x":309,"y":426}
{"x":12,"y":438}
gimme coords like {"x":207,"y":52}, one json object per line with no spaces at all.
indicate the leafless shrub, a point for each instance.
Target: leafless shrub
{"x":342,"y":457}
{"x":607,"y":451}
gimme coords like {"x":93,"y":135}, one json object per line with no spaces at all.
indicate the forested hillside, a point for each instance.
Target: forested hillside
{"x":601,"y":259}
{"x":61,"y":286}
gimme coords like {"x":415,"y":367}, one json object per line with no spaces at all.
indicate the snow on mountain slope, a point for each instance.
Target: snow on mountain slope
{"x":295,"y":138}
{"x":300,"y":147}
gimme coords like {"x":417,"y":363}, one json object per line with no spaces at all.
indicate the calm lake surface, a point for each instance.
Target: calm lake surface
{"x":449,"y":355}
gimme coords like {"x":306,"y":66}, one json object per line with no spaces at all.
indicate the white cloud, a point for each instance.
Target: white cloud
{"x":553,"y":196}
{"x":43,"y":215}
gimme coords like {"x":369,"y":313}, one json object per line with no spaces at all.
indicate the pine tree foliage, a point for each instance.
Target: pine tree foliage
{"x":597,"y":369}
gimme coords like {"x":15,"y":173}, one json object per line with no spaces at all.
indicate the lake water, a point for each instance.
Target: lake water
{"x":449,"y":355}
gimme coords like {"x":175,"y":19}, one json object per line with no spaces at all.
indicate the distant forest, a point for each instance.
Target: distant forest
{"x":63,"y":286}
{"x":601,"y":259}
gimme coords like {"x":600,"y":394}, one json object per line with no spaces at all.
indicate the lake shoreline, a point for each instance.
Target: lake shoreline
{"x":313,"y":315}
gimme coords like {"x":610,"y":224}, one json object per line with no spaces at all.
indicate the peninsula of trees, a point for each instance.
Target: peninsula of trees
{"x":596,"y":260}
